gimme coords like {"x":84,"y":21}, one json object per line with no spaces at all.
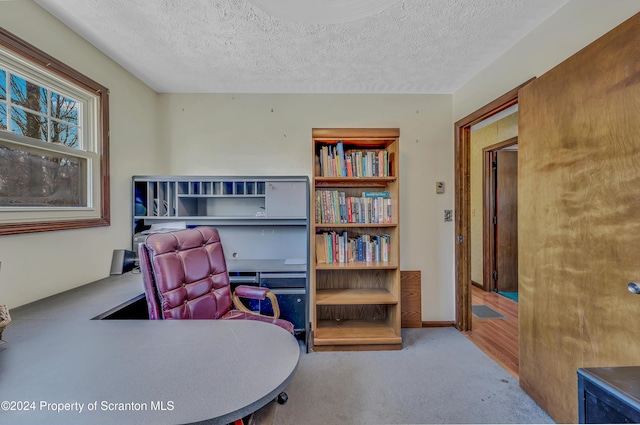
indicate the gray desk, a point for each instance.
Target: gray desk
{"x":264,"y":266}
{"x":138,"y":371}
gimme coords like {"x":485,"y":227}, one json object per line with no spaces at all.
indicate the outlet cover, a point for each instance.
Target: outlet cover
{"x":448,"y":215}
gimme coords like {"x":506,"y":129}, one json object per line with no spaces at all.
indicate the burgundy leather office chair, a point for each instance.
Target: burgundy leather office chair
{"x":185,"y":277}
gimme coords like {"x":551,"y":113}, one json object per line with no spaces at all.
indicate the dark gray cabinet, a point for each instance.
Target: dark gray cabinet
{"x":608,"y":395}
{"x":289,"y":287}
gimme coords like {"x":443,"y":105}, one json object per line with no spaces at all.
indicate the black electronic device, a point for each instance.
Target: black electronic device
{"x":122,"y":261}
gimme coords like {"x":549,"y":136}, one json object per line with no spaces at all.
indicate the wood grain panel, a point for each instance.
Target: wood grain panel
{"x":354,"y":297}
{"x":355,"y":332}
{"x":411,"y":298}
{"x":579,"y":218}
{"x":356,"y":279}
{"x":351,"y":312}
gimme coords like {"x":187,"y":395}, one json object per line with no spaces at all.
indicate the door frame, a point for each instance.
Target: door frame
{"x":462,"y":141}
{"x":489,"y":211}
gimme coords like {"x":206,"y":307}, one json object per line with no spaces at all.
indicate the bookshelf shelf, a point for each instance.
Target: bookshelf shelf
{"x":354,"y":296}
{"x":353,"y":225}
{"x":355,"y":251}
{"x":353,"y":181}
{"x":358,"y":265}
{"x":355,"y":334}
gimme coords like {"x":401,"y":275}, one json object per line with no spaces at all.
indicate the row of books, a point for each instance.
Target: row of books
{"x":336,"y":162}
{"x":334,"y":247}
{"x":334,"y":207}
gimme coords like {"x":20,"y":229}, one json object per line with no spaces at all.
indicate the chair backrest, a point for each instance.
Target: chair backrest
{"x":185,"y":274}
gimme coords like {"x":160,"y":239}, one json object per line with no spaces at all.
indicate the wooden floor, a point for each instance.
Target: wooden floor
{"x":496,"y":337}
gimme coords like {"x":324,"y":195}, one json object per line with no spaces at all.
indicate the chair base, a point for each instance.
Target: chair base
{"x":282,"y":398}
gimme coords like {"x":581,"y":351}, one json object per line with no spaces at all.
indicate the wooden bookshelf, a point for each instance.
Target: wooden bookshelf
{"x":355,"y":266}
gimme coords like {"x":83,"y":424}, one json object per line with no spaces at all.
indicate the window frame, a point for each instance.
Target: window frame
{"x":37,"y":57}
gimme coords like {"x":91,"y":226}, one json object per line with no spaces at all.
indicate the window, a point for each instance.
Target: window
{"x":54,"y":170}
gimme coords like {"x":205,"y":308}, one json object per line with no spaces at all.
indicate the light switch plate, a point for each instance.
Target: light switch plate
{"x":439,"y":187}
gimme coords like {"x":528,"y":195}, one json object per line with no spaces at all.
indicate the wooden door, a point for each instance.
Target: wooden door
{"x":506,"y":229}
{"x":579,"y":218}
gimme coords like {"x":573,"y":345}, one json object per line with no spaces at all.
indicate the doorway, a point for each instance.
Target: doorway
{"x":493,"y":239}
{"x":500,"y":217}
{"x":463,"y":205}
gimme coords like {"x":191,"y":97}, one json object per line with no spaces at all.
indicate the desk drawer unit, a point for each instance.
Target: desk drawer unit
{"x":289,"y":288}
{"x":292,"y":306}
{"x":283,"y":280}
{"x":291,"y":291}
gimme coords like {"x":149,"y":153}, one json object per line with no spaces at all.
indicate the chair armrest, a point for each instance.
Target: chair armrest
{"x":255,"y":293}
{"x":251,"y":292}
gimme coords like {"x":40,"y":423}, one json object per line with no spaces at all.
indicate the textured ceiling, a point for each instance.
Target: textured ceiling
{"x":235,"y":46}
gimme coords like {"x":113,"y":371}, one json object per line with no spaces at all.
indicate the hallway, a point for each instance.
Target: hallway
{"x":498,"y":338}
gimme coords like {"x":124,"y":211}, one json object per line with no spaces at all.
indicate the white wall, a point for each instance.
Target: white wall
{"x":572,"y":27}
{"x":38,"y":265}
{"x":270,"y":134}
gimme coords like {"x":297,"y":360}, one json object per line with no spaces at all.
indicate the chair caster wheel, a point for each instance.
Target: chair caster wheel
{"x":282,"y":398}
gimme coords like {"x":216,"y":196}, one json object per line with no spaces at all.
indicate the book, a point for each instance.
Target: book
{"x":370,"y":170}
{"x":376,"y":252}
{"x":335,"y":161}
{"x":386,"y":247}
{"x":341,"y":159}
{"x":335,"y":248}
{"x":388,"y":202}
{"x":321,"y":249}
{"x":375,"y":194}
{"x":335,"y":207}
{"x":332,"y":162}
{"x":358,"y":164}
{"x":343,"y":207}
{"x":344,"y":239}
{"x":326,"y":210}
{"x":324,"y":160}
{"x":360,"y":249}
{"x":319,"y":208}
{"x":335,"y":203}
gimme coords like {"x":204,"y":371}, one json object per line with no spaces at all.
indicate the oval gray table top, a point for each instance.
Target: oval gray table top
{"x":138,"y":371}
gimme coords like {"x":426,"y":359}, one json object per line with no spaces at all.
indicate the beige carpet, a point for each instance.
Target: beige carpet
{"x":439,"y":376}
